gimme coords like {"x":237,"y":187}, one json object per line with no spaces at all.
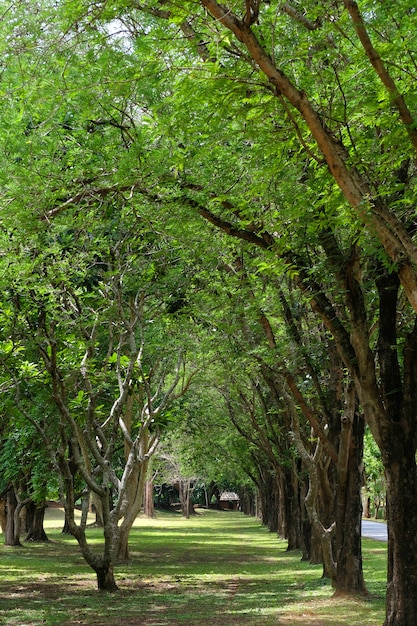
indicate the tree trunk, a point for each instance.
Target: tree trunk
{"x":148,"y":504}
{"x":293,"y":510}
{"x":367,"y":507}
{"x":313,"y":464}
{"x":349,"y":516}
{"x":103,"y":564}
{"x":123,"y":555}
{"x":66,"y":529}
{"x":12,"y":533}
{"x":132,"y":505}
{"x":247,"y":501}
{"x":269,"y":500}
{"x":185,"y":492}
{"x":213,"y":491}
{"x":35,"y":518}
{"x":401,"y":605}
{"x":105,"y":577}
{"x":281,"y":509}
{"x":306,"y":529}
{"x":395,"y":432}
{"x":3,"y":515}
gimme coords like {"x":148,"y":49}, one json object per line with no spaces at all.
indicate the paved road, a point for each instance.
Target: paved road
{"x":374,"y":530}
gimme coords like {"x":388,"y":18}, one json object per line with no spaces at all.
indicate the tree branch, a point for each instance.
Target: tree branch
{"x":381,"y":70}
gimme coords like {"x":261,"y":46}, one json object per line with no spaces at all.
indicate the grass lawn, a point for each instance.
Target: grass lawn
{"x":217,"y":569}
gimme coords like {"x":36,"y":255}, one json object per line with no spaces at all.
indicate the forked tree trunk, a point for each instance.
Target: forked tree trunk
{"x":133,"y":504}
{"x":102,"y":564}
{"x":312,"y":463}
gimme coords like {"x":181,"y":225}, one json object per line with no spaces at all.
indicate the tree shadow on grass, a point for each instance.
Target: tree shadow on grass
{"x":178,"y":575}
{"x":168,"y":601}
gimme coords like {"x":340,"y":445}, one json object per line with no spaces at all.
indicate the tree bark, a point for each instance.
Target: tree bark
{"x":185,"y":492}
{"x":293,"y":510}
{"x":105,"y":577}
{"x":324,"y":534}
{"x":35,"y":517}
{"x":132,"y":504}
{"x":3,"y":518}
{"x":401,"y":606}
{"x":148,"y":503}
{"x":66,"y":529}
{"x":103,"y":564}
{"x":268,"y":493}
{"x":12,"y":533}
{"x":349,"y":515}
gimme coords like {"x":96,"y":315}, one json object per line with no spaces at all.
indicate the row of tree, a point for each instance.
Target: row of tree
{"x":218,"y":198}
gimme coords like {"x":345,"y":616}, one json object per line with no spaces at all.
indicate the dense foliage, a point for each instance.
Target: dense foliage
{"x":216,"y":200}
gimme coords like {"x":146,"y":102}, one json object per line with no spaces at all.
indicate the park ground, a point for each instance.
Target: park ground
{"x":217,"y":569}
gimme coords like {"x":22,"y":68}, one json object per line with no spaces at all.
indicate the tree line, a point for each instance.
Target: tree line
{"x":215,"y":198}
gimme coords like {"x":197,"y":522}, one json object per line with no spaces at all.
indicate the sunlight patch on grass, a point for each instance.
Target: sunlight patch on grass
{"x":332,"y":612}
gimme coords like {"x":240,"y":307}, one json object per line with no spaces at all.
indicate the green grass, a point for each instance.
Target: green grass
{"x":217,"y":569}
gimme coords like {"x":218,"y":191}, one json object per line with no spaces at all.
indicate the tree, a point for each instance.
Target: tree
{"x":277,"y":358}
{"x":92,"y":295}
{"x":296,"y":160}
{"x":27,"y":479}
{"x":373,"y":171}
{"x":94,"y":336}
{"x":26,"y":483}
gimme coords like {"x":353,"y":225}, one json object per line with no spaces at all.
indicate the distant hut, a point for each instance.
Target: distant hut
{"x":229,"y":500}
